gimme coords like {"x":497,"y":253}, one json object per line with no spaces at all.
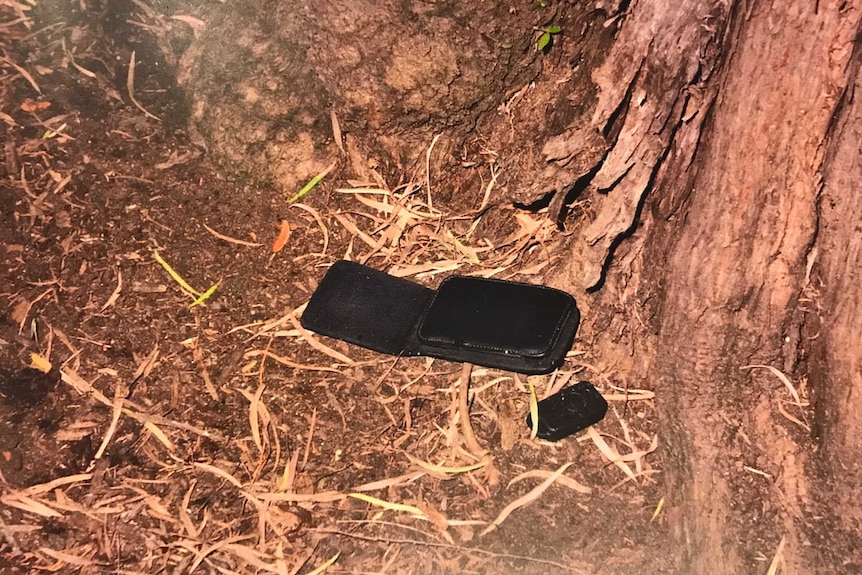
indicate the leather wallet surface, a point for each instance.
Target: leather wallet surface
{"x":513,"y":326}
{"x":366,"y":307}
{"x":495,"y":316}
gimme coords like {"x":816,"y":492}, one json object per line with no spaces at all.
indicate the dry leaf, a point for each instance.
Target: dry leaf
{"x":283,"y":236}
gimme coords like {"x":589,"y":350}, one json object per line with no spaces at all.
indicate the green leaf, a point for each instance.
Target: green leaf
{"x":310,"y":185}
{"x":543,"y":42}
{"x":553,"y":30}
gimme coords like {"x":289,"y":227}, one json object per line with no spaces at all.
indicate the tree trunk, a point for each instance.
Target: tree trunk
{"x":740,"y":123}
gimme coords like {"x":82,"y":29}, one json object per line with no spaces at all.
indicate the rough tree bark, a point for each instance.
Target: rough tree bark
{"x":739,"y":120}
{"x":719,"y":149}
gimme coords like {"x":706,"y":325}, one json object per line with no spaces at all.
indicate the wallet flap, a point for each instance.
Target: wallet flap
{"x":494,"y":316}
{"x":366,"y":307}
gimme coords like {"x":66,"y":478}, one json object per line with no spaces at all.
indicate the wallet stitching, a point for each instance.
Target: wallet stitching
{"x":493,"y":349}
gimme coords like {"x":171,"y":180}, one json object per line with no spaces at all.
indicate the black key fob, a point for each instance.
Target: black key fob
{"x":569,"y":411}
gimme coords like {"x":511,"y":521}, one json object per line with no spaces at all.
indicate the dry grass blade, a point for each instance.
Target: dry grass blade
{"x":391,"y":482}
{"x":640,"y":454}
{"x":209,"y":550}
{"x":120,"y":394}
{"x":531,"y":496}
{"x":534,"y":410}
{"x":757,"y":472}
{"x":562,"y":480}
{"x":300,"y":563}
{"x":130,"y":86}
{"x":383,"y":207}
{"x":780,"y":405}
{"x":611,"y":454}
{"x":489,"y":187}
{"x":316,"y":344}
{"x":67,"y":558}
{"x":390,"y":236}
{"x":444,"y":472}
{"x":22,"y":310}
{"x":185,"y":518}
{"x":464,"y":410}
{"x":230,"y":239}
{"x":324,"y":566}
{"x":155,"y":430}
{"x":336,"y":131}
{"x":78,"y":67}
{"x":558,"y":567}
{"x":777,"y":559}
{"x":176,"y":276}
{"x":471,"y":254}
{"x":197,"y":354}
{"x":285,"y":483}
{"x":624,"y":394}
{"x":254,"y":412}
{"x":320,"y":224}
{"x":115,"y":295}
{"x":218,"y":473}
{"x":388,"y":505}
{"x":361,"y":190}
{"x":322,"y":497}
{"x":784,"y":379}
{"x":83,"y":387}
{"x":428,"y":168}
{"x":59,"y":482}
{"x":288,"y":362}
{"x":24,"y":503}
{"x":658,"y":508}
{"x":489,"y":384}
{"x":354,"y":230}
{"x":195,"y":24}
{"x":437,"y":267}
{"x":252,"y":558}
{"x":645,"y":474}
{"x":308,"y":439}
{"x":24,"y":73}
{"x":205,"y":296}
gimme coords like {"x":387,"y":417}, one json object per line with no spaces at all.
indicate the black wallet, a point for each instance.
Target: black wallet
{"x":507,"y":325}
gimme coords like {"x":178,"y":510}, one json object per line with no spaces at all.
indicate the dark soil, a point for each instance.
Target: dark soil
{"x":93,"y":187}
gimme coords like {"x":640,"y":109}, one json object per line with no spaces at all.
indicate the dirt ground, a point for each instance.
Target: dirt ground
{"x":223,"y":438}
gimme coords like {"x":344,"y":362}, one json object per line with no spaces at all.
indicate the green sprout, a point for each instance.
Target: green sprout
{"x":546,"y":40}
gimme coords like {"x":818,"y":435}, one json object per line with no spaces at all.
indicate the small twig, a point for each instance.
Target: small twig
{"x":464,"y":411}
